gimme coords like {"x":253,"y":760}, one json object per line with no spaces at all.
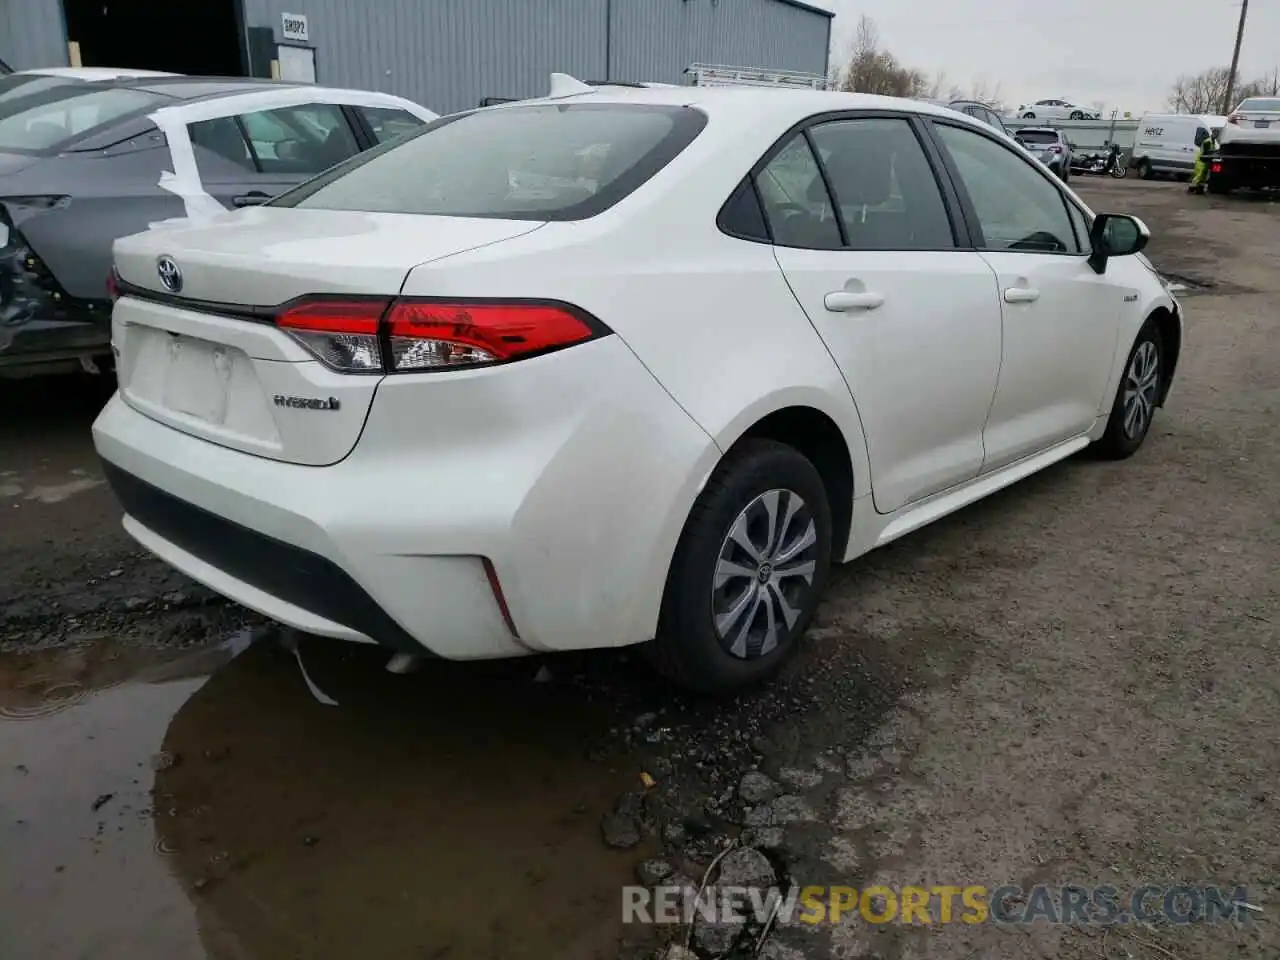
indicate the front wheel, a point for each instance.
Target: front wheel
{"x":1136,"y":396}
{"x":748,"y":572}
{"x":1119,"y":170}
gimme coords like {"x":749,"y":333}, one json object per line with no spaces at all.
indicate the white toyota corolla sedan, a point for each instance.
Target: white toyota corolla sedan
{"x":628,"y":366}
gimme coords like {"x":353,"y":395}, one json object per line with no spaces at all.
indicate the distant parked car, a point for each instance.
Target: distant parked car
{"x":83,"y":162}
{"x":1056,"y":110}
{"x":974,"y":108}
{"x":1051,"y":147}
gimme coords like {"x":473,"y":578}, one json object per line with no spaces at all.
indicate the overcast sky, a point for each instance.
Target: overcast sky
{"x":1125,"y":53}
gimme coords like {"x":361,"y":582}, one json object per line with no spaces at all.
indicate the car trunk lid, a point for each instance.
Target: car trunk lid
{"x":203,"y":354}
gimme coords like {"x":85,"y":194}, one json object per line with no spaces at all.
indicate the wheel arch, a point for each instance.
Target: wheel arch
{"x":819,"y":439}
{"x":1168,"y":321}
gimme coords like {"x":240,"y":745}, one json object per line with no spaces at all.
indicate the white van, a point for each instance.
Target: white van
{"x":1166,"y":143}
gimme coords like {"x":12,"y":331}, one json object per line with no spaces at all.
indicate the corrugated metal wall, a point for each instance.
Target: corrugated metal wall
{"x":32,"y":34}
{"x":448,"y":54}
{"x":658,"y":39}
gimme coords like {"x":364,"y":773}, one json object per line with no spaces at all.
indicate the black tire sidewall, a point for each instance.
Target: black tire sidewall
{"x":690,"y":651}
{"x":1115,"y":443}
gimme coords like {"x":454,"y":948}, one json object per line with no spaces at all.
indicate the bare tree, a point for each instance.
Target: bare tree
{"x":938,"y":85}
{"x":873,"y":70}
{"x":1205,"y":92}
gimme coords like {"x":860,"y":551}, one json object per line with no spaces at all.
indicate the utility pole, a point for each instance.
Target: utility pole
{"x":1235,"y":59}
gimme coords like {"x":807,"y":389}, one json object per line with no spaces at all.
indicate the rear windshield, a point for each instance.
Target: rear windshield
{"x":1260,"y":105}
{"x":537,"y":162}
{"x":52,"y":118}
{"x":1036,"y":136}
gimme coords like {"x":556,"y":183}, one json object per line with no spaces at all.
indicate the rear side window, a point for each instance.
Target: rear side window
{"x":565,"y":161}
{"x":306,"y":139}
{"x":885,"y":191}
{"x":796,"y":201}
{"x":55,"y":117}
{"x":387,"y":123}
{"x":220,"y":138}
{"x":1260,"y":105}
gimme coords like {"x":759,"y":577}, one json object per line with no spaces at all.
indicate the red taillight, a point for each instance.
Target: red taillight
{"x":113,"y":286}
{"x":341,"y":334}
{"x":424,"y":335}
{"x":1055,"y":149}
{"x":1215,"y":167}
{"x":1234,"y":118}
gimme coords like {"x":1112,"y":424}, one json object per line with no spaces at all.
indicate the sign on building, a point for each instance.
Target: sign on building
{"x":293,"y":27}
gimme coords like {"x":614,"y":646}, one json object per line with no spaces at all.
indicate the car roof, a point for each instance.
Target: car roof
{"x":90,"y":74}
{"x":749,"y":103}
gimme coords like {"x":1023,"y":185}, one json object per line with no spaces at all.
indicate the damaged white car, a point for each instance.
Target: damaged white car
{"x":84,"y":163}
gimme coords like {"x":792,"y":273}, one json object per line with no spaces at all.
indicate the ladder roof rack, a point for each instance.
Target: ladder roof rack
{"x":718,"y":75}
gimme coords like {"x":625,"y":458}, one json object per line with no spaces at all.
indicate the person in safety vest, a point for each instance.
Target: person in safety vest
{"x":1200,"y":179}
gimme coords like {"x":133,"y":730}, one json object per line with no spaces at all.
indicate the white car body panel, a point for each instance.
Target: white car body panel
{"x":1254,"y":126}
{"x":573,"y":473}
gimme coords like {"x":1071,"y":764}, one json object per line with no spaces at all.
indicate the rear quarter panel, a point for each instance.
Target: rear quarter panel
{"x":112,"y":196}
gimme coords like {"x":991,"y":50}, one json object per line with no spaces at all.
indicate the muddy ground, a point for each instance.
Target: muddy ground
{"x":1072,"y":682}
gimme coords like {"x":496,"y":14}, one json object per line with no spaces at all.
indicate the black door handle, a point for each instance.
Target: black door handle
{"x":251,"y":199}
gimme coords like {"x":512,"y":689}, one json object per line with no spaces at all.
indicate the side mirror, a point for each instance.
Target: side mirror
{"x":1116,"y":235}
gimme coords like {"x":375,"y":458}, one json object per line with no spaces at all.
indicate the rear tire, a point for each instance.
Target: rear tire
{"x":730,"y":621}
{"x":1076,"y":115}
{"x":1028,"y":115}
{"x":1137,"y":394}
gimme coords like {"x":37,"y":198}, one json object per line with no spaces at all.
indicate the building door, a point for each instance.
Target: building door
{"x":297,"y":64}
{"x":197,"y":37}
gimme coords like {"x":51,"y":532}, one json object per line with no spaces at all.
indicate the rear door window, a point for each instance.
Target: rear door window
{"x":221,"y":148}
{"x":565,"y":161}
{"x":885,"y":190}
{"x":796,"y":202}
{"x":303,"y":140}
{"x":387,"y":123}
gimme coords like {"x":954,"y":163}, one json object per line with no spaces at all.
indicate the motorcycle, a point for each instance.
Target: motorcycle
{"x":1102,"y":164}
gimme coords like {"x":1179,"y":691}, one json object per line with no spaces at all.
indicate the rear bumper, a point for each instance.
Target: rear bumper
{"x":1246,"y":170}
{"x":576,"y":501}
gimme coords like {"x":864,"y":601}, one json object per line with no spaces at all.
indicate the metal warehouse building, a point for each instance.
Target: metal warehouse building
{"x":445,"y":54}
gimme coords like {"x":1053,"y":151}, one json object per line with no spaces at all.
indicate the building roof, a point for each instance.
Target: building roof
{"x":821,"y":7}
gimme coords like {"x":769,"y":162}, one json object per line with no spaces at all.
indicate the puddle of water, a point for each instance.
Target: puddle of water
{"x":76,"y":741}
{"x":451,"y":813}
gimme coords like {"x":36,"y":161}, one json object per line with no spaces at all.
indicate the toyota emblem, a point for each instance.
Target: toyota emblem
{"x":170,"y":275}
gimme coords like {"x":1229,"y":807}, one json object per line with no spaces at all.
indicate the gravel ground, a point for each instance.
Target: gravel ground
{"x":1072,"y":682}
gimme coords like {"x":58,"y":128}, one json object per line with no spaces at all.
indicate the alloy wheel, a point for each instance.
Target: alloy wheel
{"x":764,"y":574}
{"x":1141,"y":382}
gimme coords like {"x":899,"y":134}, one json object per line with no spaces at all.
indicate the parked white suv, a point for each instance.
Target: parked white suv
{"x":412,"y":402}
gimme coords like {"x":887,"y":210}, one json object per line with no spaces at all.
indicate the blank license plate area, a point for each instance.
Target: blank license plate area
{"x":196,"y":376}
{"x":1262,"y":124}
